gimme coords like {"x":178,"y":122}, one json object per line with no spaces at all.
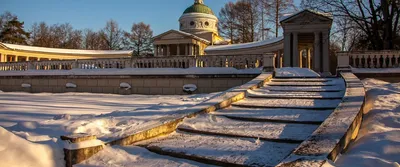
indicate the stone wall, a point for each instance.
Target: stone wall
{"x":146,"y":85}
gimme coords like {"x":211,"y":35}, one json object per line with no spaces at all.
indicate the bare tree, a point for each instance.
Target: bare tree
{"x":139,"y":39}
{"x":93,"y":41}
{"x":275,"y":9}
{"x":376,"y":20}
{"x":112,"y":34}
{"x":227,"y":20}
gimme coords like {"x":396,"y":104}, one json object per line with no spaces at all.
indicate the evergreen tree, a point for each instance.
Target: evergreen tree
{"x":13,"y":32}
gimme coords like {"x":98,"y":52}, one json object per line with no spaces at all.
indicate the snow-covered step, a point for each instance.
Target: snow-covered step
{"x":220,"y":125}
{"x":288,"y":103}
{"x":263,"y":93}
{"x":304,"y":89}
{"x":219,"y":150}
{"x":134,"y":156}
{"x":300,"y":84}
{"x":302,"y":80}
{"x":275,"y":114}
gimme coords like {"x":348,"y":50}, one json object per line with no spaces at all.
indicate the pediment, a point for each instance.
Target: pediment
{"x":2,"y":46}
{"x":307,"y":17}
{"x":173,"y":35}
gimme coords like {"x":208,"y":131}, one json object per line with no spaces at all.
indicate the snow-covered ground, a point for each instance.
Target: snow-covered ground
{"x":38,"y":120}
{"x":378,"y":143}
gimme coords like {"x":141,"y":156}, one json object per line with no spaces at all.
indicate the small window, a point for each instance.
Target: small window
{"x":181,"y":25}
{"x":192,"y":23}
{"x":207,"y":24}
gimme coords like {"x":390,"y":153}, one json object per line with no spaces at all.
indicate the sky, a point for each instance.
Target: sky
{"x":162,"y":15}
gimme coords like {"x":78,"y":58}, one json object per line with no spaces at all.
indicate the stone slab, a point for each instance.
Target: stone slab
{"x":263,"y":93}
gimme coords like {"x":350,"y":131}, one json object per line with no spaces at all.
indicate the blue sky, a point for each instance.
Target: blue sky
{"x":162,"y":15}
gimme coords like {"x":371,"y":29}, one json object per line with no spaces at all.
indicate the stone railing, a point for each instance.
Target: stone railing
{"x":236,"y":61}
{"x":369,"y":59}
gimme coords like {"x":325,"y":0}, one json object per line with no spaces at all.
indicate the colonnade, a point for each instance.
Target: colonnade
{"x":177,"y":50}
{"x":20,"y":58}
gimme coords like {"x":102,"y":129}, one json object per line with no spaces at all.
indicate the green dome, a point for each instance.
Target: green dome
{"x":199,"y":8}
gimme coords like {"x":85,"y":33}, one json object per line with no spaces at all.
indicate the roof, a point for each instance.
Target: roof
{"x":288,"y":16}
{"x":64,"y":51}
{"x":243,"y":45}
{"x":183,"y":33}
{"x":199,"y":8}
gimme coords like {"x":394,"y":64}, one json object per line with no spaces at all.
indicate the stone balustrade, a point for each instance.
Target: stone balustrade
{"x":236,"y":61}
{"x":369,"y":59}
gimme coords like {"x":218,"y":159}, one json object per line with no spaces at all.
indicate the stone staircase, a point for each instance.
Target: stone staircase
{"x":260,"y":130}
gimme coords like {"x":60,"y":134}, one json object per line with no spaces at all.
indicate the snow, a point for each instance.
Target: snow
{"x":125,"y":85}
{"x":278,"y":94}
{"x":242,"y":151}
{"x":24,"y":153}
{"x":289,"y":103}
{"x":295,"y":72}
{"x":295,"y":115}
{"x":136,"y":71}
{"x":44,"y":117}
{"x":264,"y":130}
{"x":67,"y":51}
{"x":189,"y":87}
{"x":24,"y":85}
{"x":378,"y":142}
{"x":70,"y":85}
{"x":243,"y":45}
{"x":118,"y":156}
{"x":83,"y":144}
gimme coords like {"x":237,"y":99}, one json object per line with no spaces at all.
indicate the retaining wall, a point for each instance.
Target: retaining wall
{"x":143,"y":84}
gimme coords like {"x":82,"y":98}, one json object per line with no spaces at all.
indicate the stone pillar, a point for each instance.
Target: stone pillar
{"x":317,"y":52}
{"x":268,"y":62}
{"x":286,"y":51}
{"x":155,"y":50}
{"x":168,"y":51}
{"x":190,"y":50}
{"x":309,"y":58}
{"x":325,"y":51}
{"x":2,"y":57}
{"x":278,"y":58}
{"x":186,"y":50}
{"x":295,"y":57}
{"x":178,"y":49}
{"x":300,"y":58}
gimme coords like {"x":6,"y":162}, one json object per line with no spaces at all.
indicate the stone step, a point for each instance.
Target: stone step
{"x":302,"y":80}
{"x":316,"y":104}
{"x":300,"y":84}
{"x":220,"y":150}
{"x":304,"y":89}
{"x":220,"y":125}
{"x":263,"y":93}
{"x":275,"y":114}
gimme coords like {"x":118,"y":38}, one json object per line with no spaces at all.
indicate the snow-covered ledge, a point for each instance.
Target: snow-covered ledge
{"x":336,"y":132}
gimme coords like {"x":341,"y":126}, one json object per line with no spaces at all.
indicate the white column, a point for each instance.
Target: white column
{"x":317,"y":52}
{"x":325,"y":49}
{"x":296,"y":50}
{"x":286,"y":51}
{"x":178,"y":50}
{"x":168,"y":51}
{"x":155,"y":51}
{"x":15,"y":58}
{"x":300,"y":58}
